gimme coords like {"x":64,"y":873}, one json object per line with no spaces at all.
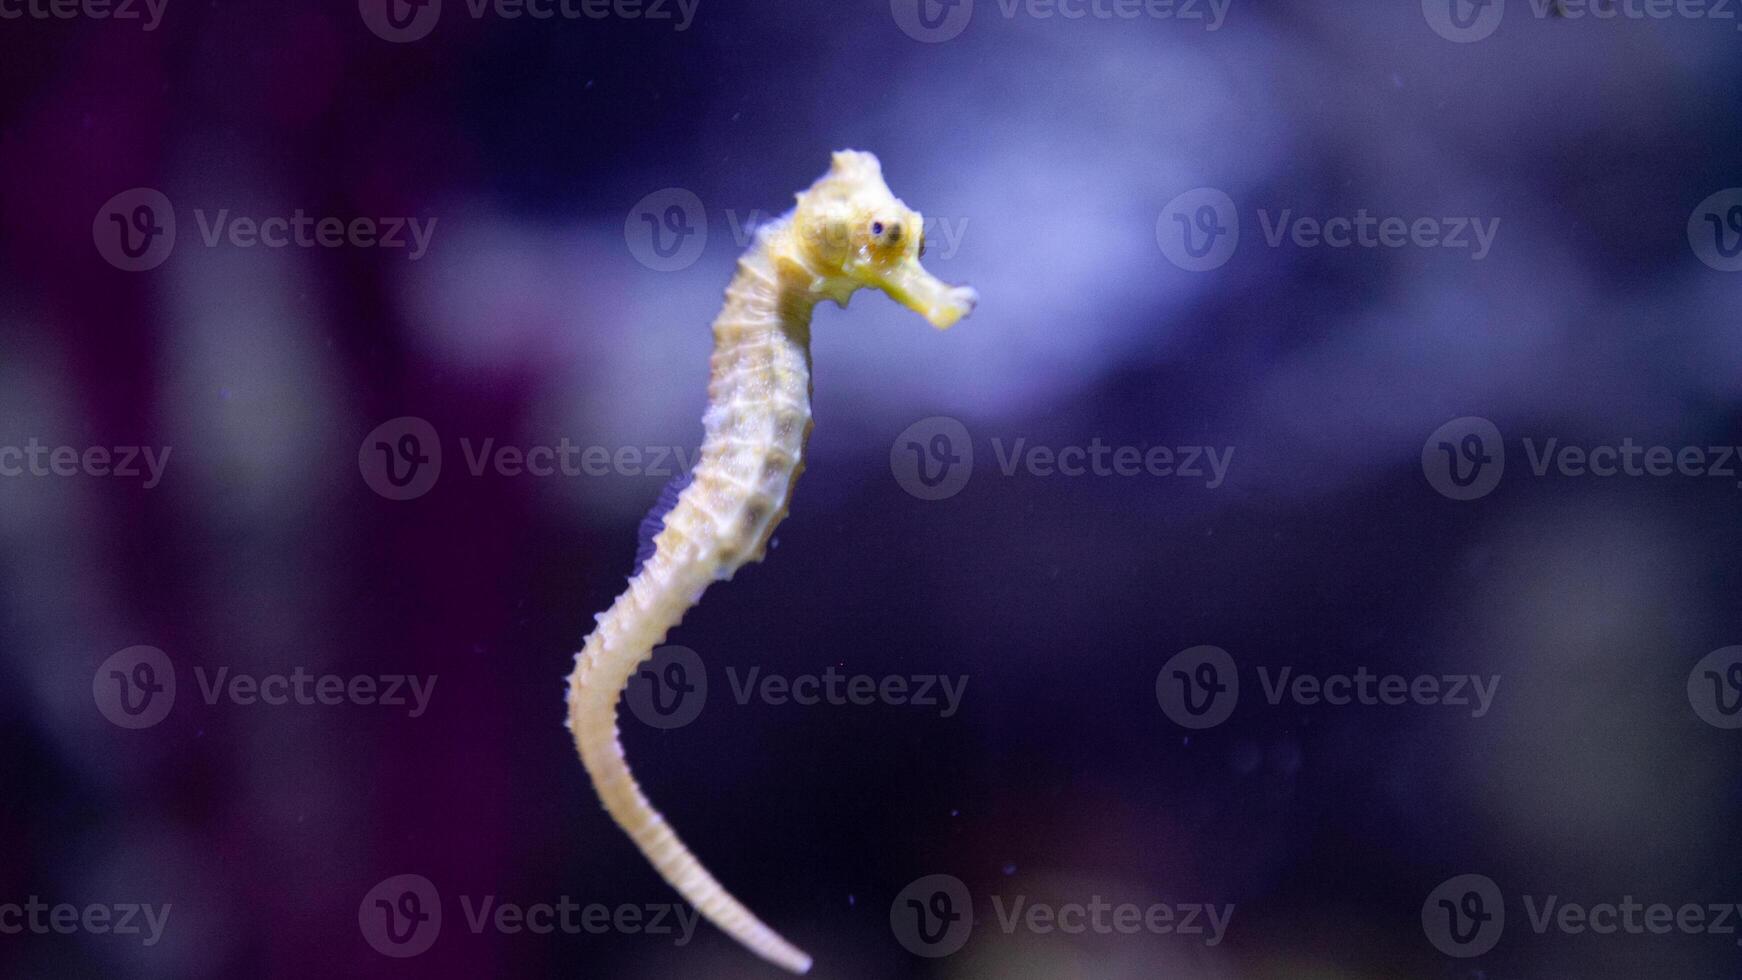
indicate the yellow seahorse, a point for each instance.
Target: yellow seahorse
{"x":846,"y":232}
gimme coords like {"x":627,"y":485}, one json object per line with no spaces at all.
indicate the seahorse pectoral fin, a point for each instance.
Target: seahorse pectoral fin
{"x":909,"y":284}
{"x":799,"y":280}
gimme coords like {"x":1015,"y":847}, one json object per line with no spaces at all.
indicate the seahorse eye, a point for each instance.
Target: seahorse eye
{"x":886,"y":233}
{"x":922,"y":244}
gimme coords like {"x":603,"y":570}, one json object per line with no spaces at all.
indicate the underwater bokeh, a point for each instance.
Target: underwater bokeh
{"x":1327,"y":524}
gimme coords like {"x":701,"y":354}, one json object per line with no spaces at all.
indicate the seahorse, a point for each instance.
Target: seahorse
{"x":847,"y":231}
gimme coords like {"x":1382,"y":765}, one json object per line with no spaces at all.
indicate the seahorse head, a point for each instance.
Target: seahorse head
{"x":854,"y":233}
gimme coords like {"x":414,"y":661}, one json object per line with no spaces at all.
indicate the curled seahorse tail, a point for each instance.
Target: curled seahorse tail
{"x":655,"y":601}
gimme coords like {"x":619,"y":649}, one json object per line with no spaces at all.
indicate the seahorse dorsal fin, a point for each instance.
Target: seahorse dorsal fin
{"x":654,"y":522}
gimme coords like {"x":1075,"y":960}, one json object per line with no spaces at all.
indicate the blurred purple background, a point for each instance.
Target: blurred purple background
{"x":1049,"y":152}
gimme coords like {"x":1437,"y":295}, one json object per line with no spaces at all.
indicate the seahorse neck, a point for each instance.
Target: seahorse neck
{"x":774,"y":280}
